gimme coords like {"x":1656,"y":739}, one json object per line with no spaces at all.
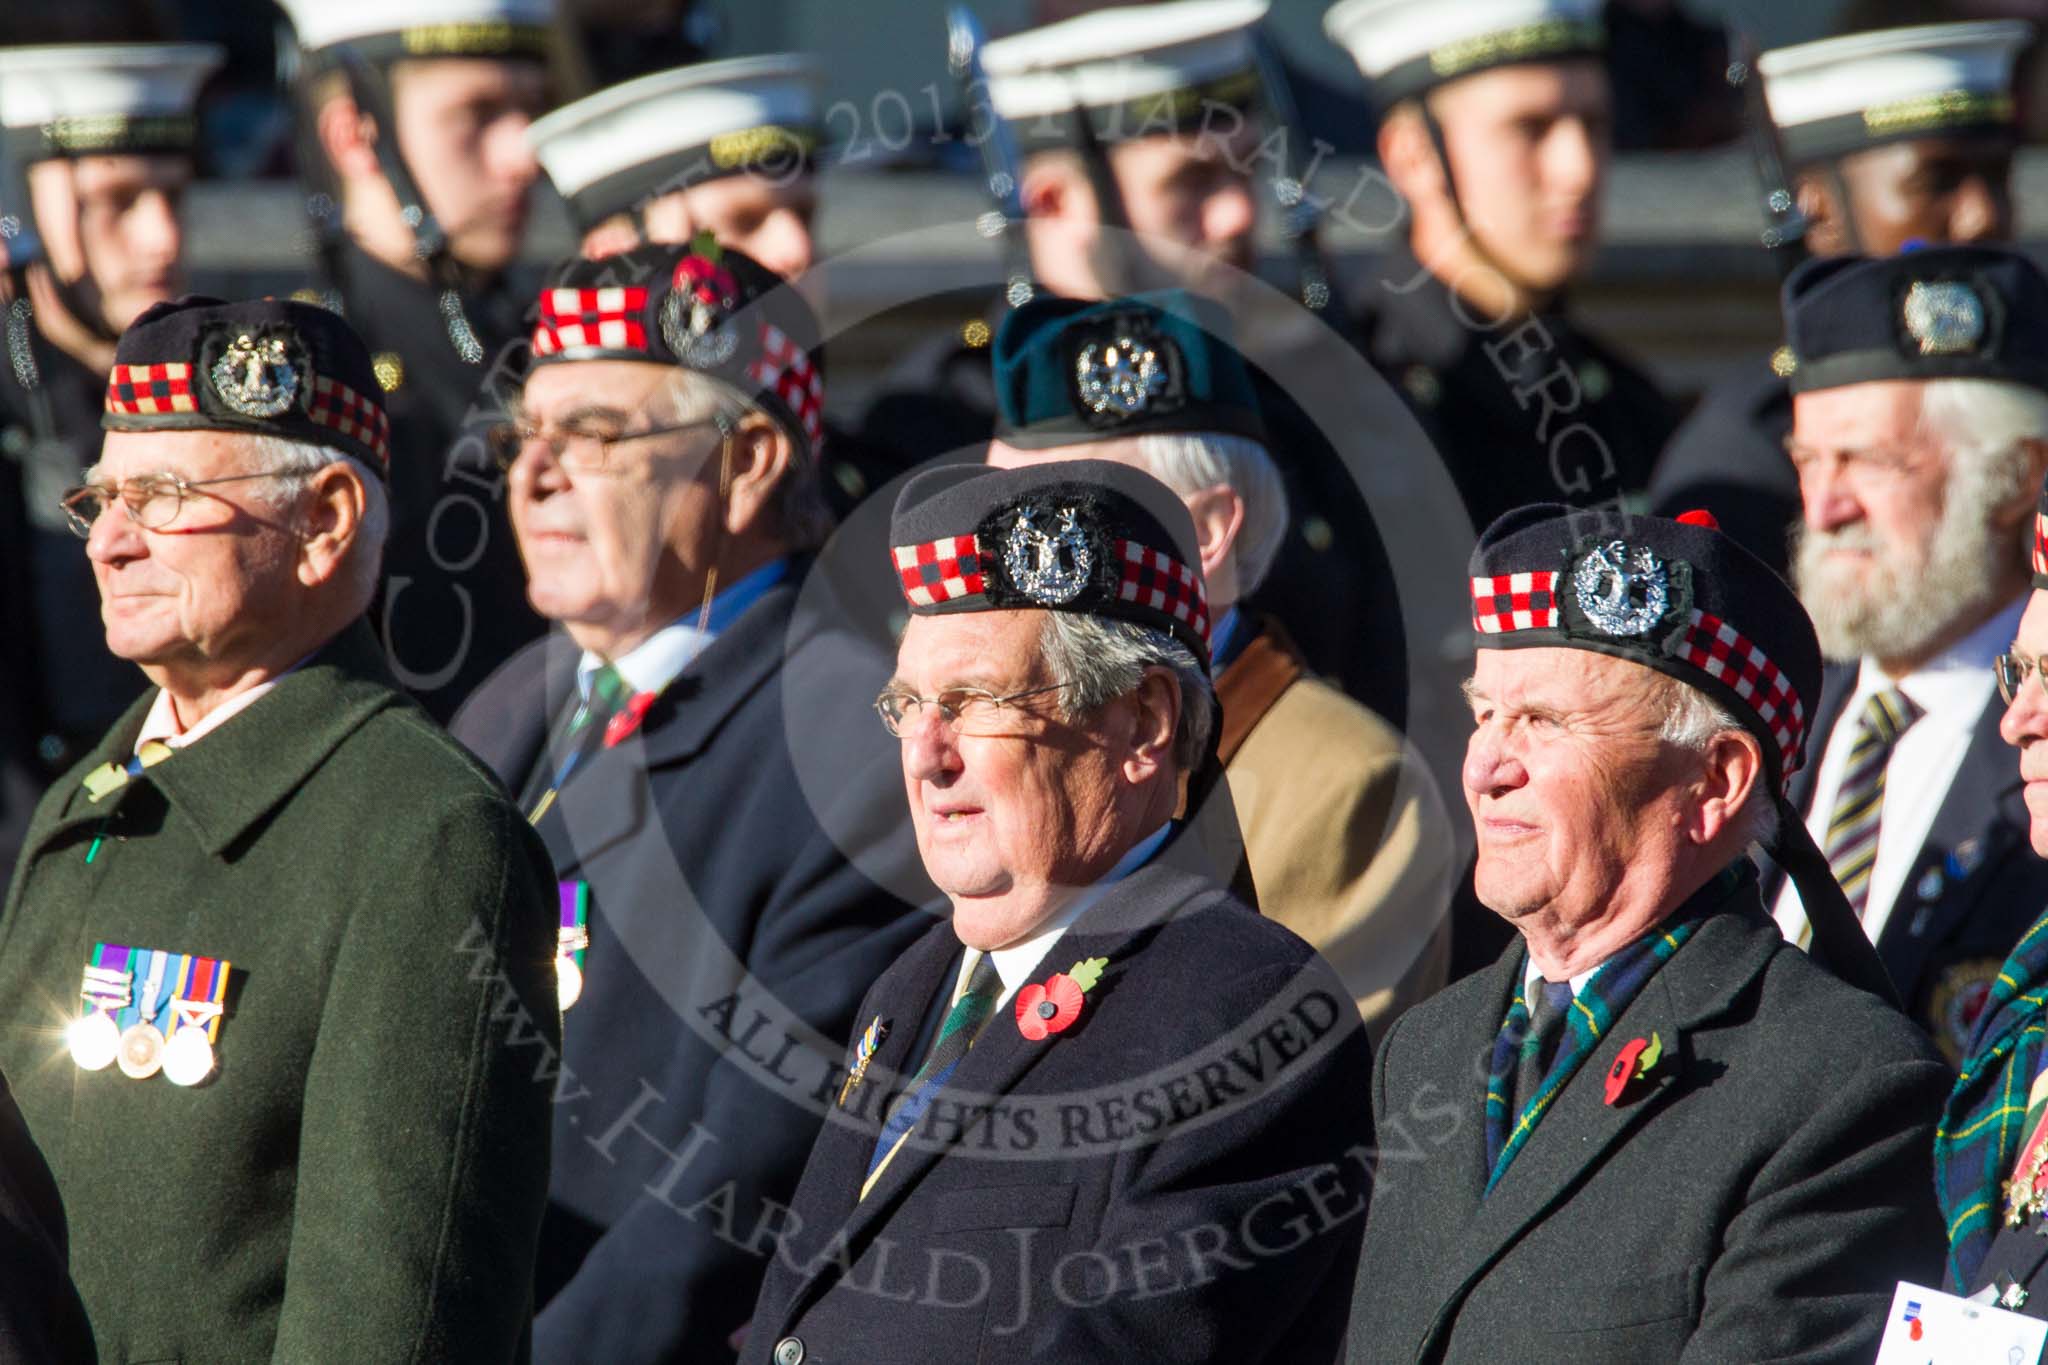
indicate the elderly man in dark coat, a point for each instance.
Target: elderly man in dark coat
{"x":717,"y":928}
{"x":1991,"y":1151}
{"x":1105,"y":1113}
{"x":290,"y":923}
{"x":1653,"y":1130}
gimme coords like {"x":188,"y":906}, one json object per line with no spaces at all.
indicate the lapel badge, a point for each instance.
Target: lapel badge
{"x":1044,"y":1009}
{"x":1637,"y":1060}
{"x":1944,"y":317}
{"x":863,"y":1052}
{"x":1968,"y":857}
{"x":260,"y":375}
{"x":1048,"y":566}
{"x":1930,"y":884}
{"x":1622,"y":591}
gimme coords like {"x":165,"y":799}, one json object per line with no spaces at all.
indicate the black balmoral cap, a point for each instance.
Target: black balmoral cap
{"x":1685,"y":600}
{"x":271,"y":367}
{"x":1086,"y":536}
{"x":700,"y":306}
{"x":1947,"y":312}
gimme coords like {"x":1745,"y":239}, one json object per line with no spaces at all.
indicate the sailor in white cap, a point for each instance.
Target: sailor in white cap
{"x":97,"y":152}
{"x":1890,"y":138}
{"x":725,"y":147}
{"x":415,"y":114}
{"x":1495,"y":130}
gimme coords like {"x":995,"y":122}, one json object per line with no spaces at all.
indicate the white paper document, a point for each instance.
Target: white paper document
{"x":1928,"y":1327}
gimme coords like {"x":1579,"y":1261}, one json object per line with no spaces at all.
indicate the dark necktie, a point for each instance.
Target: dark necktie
{"x":962,"y":1025}
{"x":581,"y":737}
{"x":1539,"y":1047}
{"x":1859,"y":805}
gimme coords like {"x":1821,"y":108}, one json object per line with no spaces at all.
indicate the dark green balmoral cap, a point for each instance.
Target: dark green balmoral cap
{"x":1071,"y":371}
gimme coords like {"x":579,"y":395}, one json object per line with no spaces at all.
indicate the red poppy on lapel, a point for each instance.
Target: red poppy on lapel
{"x":1043,"y":1010}
{"x":1638,"y":1058}
{"x":628,"y":718}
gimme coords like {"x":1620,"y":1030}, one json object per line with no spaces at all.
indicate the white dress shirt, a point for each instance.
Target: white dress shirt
{"x":660,"y":659}
{"x":161,"y":724}
{"x":1951,"y":691}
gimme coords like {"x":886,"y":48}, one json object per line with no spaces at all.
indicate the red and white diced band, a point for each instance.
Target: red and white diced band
{"x":786,"y":369}
{"x":940,"y":570}
{"x":337,"y":405}
{"x":1154,"y":579}
{"x":1514,"y":601}
{"x":1723,"y":652}
{"x":149,"y":389}
{"x":611,"y":319}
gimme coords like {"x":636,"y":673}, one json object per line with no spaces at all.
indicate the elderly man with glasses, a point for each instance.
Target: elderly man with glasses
{"x":1991,"y":1151}
{"x":717,"y":928}
{"x":1106,"y":1111}
{"x":261,"y":941}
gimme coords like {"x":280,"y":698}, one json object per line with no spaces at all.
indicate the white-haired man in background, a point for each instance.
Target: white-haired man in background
{"x":1920,"y":431}
{"x":1337,"y":821}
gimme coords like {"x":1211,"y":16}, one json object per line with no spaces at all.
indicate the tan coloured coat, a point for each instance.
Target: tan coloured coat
{"x":1345,"y":832}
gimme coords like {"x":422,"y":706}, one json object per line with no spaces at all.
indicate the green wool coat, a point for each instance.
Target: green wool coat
{"x":361,"y":1178}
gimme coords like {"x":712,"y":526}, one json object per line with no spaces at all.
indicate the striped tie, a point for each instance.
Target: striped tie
{"x":962,"y":1026}
{"x":1852,"y":832}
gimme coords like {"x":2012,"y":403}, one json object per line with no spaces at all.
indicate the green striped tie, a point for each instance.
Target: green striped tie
{"x":1859,"y":806}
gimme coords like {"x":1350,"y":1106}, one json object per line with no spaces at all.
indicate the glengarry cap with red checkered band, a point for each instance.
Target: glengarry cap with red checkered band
{"x":700,"y":306}
{"x":1684,"y":599}
{"x":1086,"y":536}
{"x":270,"y":367}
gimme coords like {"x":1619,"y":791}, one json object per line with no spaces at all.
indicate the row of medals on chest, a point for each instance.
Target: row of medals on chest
{"x":141,"y":1050}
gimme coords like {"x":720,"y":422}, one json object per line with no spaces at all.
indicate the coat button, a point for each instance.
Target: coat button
{"x":789,"y":1351}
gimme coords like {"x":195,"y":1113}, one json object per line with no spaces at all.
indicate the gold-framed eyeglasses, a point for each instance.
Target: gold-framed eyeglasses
{"x":152,"y":501}
{"x":576,"y":449}
{"x":2012,"y":670}
{"x":964,"y":710}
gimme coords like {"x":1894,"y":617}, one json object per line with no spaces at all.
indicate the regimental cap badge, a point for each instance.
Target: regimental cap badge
{"x":1945,"y":317}
{"x":260,"y":374}
{"x":1047,"y":554}
{"x":1623,"y":590}
{"x":696,"y":317}
{"x":1128,"y":372}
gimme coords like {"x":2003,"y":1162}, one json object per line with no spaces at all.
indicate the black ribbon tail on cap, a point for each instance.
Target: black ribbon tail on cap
{"x":1839,"y":943}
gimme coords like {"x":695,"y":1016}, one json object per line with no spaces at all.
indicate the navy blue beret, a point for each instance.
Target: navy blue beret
{"x":1946,"y":312}
{"x":1087,"y":536}
{"x":272,"y":367}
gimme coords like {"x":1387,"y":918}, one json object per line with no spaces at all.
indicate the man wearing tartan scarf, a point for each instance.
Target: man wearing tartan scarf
{"x":1989,"y":1169}
{"x":1653,"y":1129}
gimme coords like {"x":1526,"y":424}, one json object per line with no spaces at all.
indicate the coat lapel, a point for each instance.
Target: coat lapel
{"x":1981,"y":816}
{"x":1696,"y":986}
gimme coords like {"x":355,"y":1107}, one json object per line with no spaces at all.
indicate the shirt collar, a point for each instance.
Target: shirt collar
{"x":1016,"y":963}
{"x":658,"y":660}
{"x":1960,"y":674}
{"x":161,"y":724}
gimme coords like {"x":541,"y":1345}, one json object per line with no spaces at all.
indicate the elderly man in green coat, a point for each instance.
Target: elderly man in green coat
{"x":266,"y":953}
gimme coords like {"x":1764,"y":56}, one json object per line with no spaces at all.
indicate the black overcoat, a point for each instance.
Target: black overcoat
{"x":1179,"y":1176}
{"x":731,"y":936}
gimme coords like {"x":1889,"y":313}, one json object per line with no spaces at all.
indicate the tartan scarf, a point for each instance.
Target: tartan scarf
{"x":1984,"y":1123}
{"x":1593,"y":1012}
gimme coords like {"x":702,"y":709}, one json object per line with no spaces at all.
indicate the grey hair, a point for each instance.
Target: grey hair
{"x":1095,"y":661}
{"x":1692,"y":722}
{"x":1981,"y":424}
{"x":806,"y":518}
{"x":295,"y":463}
{"x":1189,"y":462}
